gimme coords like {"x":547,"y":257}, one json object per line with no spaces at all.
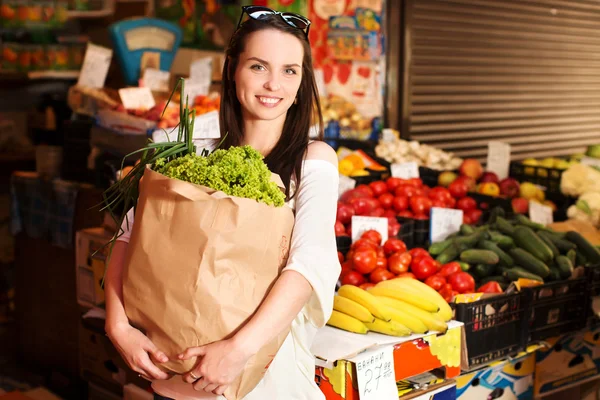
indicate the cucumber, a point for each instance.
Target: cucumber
{"x":529,"y":262}
{"x":500,"y":269}
{"x":549,"y":243}
{"x":483,"y":270}
{"x":589,"y":251}
{"x":469,"y":240}
{"x":449,"y":254}
{"x":475,"y":256}
{"x":554,"y":274}
{"x":562,"y":245}
{"x":526,"y":239}
{"x":464,"y":266}
{"x":504,"y":226}
{"x":495,"y":213}
{"x":515,"y":273}
{"x":523,"y":220}
{"x":564,"y":266}
{"x":439,"y":247}
{"x":503,"y":241}
{"x":580,"y":259}
{"x":572,"y":255}
{"x":505,"y":259}
{"x":492,"y":278}
{"x":466,"y":229}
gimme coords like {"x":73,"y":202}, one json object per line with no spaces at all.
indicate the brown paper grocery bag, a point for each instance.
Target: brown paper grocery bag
{"x":199,"y":263}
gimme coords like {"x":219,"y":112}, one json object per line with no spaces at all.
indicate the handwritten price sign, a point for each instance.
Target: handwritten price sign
{"x":375,"y":373}
{"x":362,"y":224}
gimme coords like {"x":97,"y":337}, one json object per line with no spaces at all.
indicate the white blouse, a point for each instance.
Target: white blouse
{"x":313,"y":254}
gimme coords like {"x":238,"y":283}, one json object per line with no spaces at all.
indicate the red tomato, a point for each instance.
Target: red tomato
{"x":352,"y":194}
{"x":400,"y":203}
{"x":390,"y":214}
{"x":393,"y":183}
{"x":393,"y":229}
{"x":490,"y":287}
{"x":438,"y":265}
{"x":466,"y":204}
{"x":439,"y":193}
{"x":399,"y":263}
{"x":452,"y":203}
{"x":373,"y":203}
{"x":361,"y":205}
{"x":419,"y":252}
{"x":380,"y":274}
{"x":420,"y":205}
{"x":469,"y":182}
{"x":405,"y":190}
{"x":439,"y":204}
{"x":416,"y":182}
{"x":467,"y":220}
{"x":394,"y":245}
{"x":377,"y":212}
{"x":340,"y":229}
{"x":435,"y":281}
{"x":381,"y":262}
{"x":380,"y":252}
{"x":475,"y":215}
{"x":340,"y":257}
{"x":420,"y":191}
{"x":423,"y":268}
{"x":407,"y":275}
{"x":346,"y":266}
{"x":344,"y":213}
{"x":352,"y":278}
{"x":462,"y":282}
{"x":458,"y":189}
{"x":367,"y":285}
{"x":349,"y":230}
{"x":449,"y":269}
{"x":372,"y":235}
{"x":386,"y":200}
{"x":364,"y":261}
{"x":378,"y":188}
{"x":366,"y":190}
{"x":446,"y":293}
{"x":405,"y":214}
{"x":364,"y":243}
{"x":421,"y":216}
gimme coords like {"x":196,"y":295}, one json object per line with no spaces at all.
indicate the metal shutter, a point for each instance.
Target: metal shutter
{"x":524,"y":72}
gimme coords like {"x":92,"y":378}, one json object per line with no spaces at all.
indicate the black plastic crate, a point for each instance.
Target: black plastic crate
{"x":556,"y":308}
{"x":430,"y":177}
{"x":547,"y":177}
{"x":593,"y":279}
{"x":343,"y":244}
{"x":417,"y":232}
{"x":495,"y":327}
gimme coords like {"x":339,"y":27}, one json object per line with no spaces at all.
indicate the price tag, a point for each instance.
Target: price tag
{"x":345,"y":184}
{"x":156,"y":79}
{"x":540,"y":213}
{"x":194,"y":89}
{"x":362,"y":224}
{"x":405,"y":170}
{"x":444,"y":222}
{"x":206,"y":126}
{"x":375,"y":374}
{"x":320,"y":81}
{"x":592,"y":162}
{"x":498,"y":159}
{"x":201,"y":71}
{"x":95,"y":66}
{"x":137,"y":98}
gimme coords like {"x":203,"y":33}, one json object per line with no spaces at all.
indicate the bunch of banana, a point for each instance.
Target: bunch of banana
{"x":358,"y":311}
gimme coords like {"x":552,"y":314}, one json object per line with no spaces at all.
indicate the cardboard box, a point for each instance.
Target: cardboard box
{"x":570,"y":360}
{"x":413,"y":355}
{"x":508,"y":379}
{"x":90,"y":263}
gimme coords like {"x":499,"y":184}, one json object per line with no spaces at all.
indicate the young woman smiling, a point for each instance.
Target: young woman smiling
{"x":269,"y":97}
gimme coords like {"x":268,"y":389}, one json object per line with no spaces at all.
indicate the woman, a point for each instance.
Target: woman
{"x":269,"y":96}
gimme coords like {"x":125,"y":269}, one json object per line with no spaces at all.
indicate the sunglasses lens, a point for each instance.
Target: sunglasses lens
{"x":296,"y":21}
{"x":260,"y":14}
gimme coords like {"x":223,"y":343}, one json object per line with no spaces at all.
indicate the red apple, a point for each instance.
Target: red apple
{"x":520,"y":205}
{"x":471,"y":168}
{"x":509,"y":187}
{"x":489,"y":177}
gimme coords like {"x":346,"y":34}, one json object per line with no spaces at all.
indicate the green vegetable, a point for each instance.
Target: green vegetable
{"x":474,"y":256}
{"x":580,"y":259}
{"x":565,"y":266}
{"x":562,"y":245}
{"x":503,"y":241}
{"x":515,"y":273}
{"x":504,"y":226}
{"x":549,"y":243}
{"x":572,"y":255}
{"x":554,"y":274}
{"x":505,"y":259}
{"x":589,"y":251}
{"x":526,"y":239}
{"x":466,"y":229}
{"x":523,"y":220}
{"x":470,"y":240}
{"x":439,"y":247}
{"x":483,"y":270}
{"x":528,"y":261}
{"x":449,"y":254}
{"x":464,"y":266}
{"x":496,"y":212}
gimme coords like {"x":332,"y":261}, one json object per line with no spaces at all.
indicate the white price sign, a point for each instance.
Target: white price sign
{"x":444,"y":222}
{"x":345,"y":184}
{"x":201,"y":71}
{"x":592,"y":162}
{"x":405,"y":170}
{"x":206,"y":126}
{"x":498,"y":159}
{"x":95,"y":66}
{"x":362,"y":224}
{"x":540,"y":213}
{"x":156,"y":79}
{"x":194,"y":89}
{"x":137,"y":98}
{"x":375,"y":374}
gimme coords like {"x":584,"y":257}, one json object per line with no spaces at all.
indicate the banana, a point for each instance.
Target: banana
{"x":352,"y":308}
{"x":431,"y":321}
{"x":417,"y":300}
{"x":347,"y":323}
{"x":417,"y":287}
{"x":391,"y":328}
{"x":411,"y":322}
{"x":366,"y":300}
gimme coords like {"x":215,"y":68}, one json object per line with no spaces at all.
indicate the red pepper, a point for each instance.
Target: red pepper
{"x":490,"y":287}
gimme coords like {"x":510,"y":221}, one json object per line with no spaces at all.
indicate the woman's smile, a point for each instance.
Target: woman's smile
{"x":269,"y":101}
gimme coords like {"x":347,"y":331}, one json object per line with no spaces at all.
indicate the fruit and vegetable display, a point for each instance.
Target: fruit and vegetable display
{"x":398,"y":307}
{"x":503,"y":250}
{"x":356,"y":163}
{"x":352,"y":124}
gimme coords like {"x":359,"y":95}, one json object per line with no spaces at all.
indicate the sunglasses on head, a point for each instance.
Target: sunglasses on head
{"x":292,"y":19}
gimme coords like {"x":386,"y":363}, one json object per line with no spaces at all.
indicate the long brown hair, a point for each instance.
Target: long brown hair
{"x":286,"y":157}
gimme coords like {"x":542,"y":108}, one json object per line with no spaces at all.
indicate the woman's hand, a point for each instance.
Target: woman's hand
{"x":218,"y":365}
{"x":138,"y":351}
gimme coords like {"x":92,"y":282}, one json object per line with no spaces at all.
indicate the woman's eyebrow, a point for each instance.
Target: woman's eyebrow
{"x":267,"y":63}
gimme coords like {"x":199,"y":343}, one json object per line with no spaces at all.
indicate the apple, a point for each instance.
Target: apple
{"x":509,"y":187}
{"x":471,"y":168}
{"x":468,"y":182}
{"x":489,"y":189}
{"x":520,"y":205}
{"x":446,"y":178}
{"x":489,"y":177}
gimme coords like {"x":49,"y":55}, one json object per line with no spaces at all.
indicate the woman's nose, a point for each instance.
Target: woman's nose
{"x":272,"y":85}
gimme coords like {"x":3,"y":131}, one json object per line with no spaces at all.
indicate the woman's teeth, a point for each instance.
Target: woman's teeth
{"x":268,"y":100}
